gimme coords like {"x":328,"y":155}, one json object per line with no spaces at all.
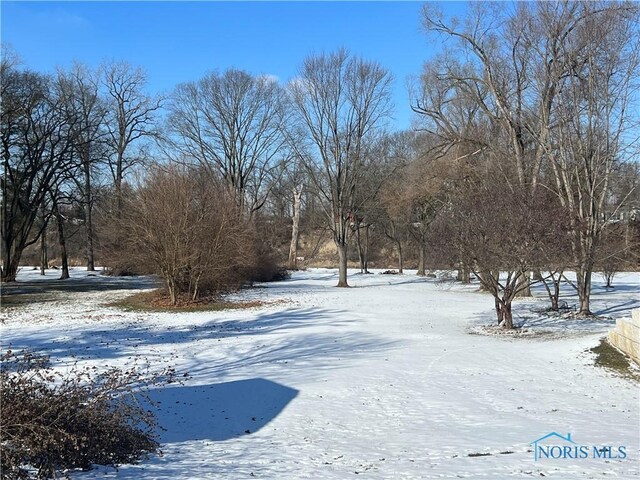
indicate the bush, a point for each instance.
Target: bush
{"x":52,"y":422}
{"x":185,"y":227}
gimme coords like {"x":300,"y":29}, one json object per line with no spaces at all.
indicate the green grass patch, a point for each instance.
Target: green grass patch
{"x":612,"y":359}
{"x":158,"y":301}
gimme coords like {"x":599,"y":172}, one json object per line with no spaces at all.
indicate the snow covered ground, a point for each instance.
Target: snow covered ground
{"x":386,"y":380}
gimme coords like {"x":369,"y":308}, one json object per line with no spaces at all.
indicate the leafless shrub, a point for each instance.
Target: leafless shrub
{"x":52,"y":421}
{"x":185,"y":227}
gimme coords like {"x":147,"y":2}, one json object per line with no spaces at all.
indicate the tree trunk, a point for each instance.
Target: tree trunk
{"x":503,"y":312}
{"x":10,"y":261}
{"x":366,"y":249}
{"x":363,"y":250}
{"x":44,"y":258}
{"x":171,"y":286}
{"x":62,"y":241}
{"x":554,"y":303}
{"x":400,"y":258}
{"x":524,"y":285}
{"x":295,"y":231}
{"x":360,"y":250}
{"x":342,"y":265}
{"x":507,"y":316}
{"x":609,"y":278}
{"x":498,"y":308}
{"x":118,"y":185}
{"x":584,"y":290}
{"x":88,"y":215}
{"x":464,"y":273}
{"x":6,"y":261}
{"x":421,"y":260}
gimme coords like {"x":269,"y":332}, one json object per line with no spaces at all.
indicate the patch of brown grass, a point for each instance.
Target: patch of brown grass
{"x":158,"y":301}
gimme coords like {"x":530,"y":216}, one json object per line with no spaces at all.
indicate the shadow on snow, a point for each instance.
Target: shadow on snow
{"x":220,"y":411}
{"x":308,"y":349}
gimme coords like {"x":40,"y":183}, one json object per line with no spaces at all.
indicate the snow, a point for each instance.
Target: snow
{"x":384,"y":380}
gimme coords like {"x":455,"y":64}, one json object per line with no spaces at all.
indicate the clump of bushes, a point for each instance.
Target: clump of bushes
{"x":51,"y":422}
{"x":187,"y":227}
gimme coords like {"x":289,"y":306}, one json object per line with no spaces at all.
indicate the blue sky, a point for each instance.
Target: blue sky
{"x":181,"y":41}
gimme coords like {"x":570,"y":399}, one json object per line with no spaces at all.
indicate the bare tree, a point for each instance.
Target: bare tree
{"x":234,"y":125}
{"x":37,"y":142}
{"x":597,"y":122}
{"x":79,"y":88}
{"x":515,"y":68}
{"x":498,"y":230}
{"x":517,"y":62}
{"x":129,"y":119}
{"x":342,"y":100}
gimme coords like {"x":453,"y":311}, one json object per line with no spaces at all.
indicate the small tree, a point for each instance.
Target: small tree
{"x":499,"y":231}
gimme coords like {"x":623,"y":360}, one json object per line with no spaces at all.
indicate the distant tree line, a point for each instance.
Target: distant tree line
{"x":522,"y":166}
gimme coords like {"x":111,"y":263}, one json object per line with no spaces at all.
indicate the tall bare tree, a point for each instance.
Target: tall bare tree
{"x":234,"y":125}
{"x":37,"y":142}
{"x":79,"y":88}
{"x":342,"y":101}
{"x":597,"y":125}
{"x":538,"y":75}
{"x":130,"y":118}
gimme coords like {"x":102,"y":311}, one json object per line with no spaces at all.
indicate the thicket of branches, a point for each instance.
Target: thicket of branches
{"x":185,"y":226}
{"x":52,"y":421}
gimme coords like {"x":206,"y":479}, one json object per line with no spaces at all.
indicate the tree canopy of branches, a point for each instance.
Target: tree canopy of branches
{"x":130,"y":118}
{"x":550,"y":89}
{"x":499,"y":231}
{"x":234,"y":125}
{"x":37,"y":141}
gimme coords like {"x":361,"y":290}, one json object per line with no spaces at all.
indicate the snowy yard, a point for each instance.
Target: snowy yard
{"x":388,"y":379}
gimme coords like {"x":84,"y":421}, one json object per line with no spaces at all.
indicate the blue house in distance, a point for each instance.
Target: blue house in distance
{"x":548,"y":435}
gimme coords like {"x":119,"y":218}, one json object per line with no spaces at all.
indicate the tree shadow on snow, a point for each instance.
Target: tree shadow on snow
{"x":308,"y":349}
{"x":38,"y":290}
{"x":219,"y":412}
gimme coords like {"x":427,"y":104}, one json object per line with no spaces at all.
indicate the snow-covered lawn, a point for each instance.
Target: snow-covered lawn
{"x":388,"y":379}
